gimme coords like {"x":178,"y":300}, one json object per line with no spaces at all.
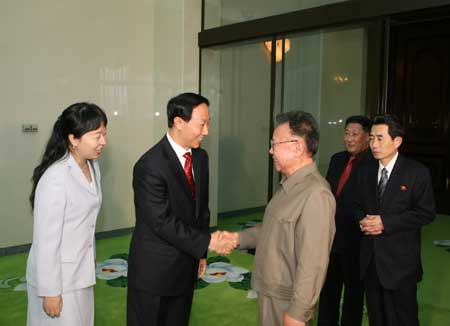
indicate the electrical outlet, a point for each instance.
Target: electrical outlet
{"x":30,"y":127}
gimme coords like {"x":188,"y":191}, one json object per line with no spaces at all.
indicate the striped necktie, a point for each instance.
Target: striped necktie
{"x":382,"y":184}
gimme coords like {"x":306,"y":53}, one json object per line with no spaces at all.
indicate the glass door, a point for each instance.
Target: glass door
{"x":237,"y":81}
{"x":322,"y":72}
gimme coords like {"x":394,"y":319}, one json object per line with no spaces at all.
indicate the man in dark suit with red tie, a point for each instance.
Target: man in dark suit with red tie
{"x":343,"y":267}
{"x":171,"y":238}
{"x":395,"y":199}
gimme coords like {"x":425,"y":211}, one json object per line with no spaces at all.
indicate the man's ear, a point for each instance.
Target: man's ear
{"x":300,"y":148}
{"x":178,"y":123}
{"x":398,"y":141}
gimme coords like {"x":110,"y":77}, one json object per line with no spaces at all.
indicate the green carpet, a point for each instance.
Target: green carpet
{"x":221,"y":304}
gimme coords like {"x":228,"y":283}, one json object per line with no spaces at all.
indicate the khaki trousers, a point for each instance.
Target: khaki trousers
{"x":271,"y":310}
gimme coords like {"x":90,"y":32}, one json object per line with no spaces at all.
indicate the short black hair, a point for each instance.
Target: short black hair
{"x":304,"y":125}
{"x":182,"y":106}
{"x":395,"y":128}
{"x":360,"y":119}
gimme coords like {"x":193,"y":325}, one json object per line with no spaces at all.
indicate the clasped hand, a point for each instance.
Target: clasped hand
{"x":371,"y":225}
{"x":223,"y":242}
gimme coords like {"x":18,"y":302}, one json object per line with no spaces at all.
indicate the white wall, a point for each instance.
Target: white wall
{"x":128,"y":57}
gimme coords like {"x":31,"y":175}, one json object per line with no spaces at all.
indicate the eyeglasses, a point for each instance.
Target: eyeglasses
{"x":352,"y":133}
{"x":273,"y":143}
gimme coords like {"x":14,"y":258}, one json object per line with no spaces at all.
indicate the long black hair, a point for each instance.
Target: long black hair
{"x":77,"y":119}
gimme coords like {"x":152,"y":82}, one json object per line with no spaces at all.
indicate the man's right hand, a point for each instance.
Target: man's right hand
{"x":372,"y":225}
{"x":223,"y":242}
{"x":53,"y":306}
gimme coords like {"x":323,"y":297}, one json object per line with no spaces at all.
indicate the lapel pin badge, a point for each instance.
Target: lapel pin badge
{"x":403,"y":188}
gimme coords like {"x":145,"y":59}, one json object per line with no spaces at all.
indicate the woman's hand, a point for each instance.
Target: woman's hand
{"x":53,"y":306}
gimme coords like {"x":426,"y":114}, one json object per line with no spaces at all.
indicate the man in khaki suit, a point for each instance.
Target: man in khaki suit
{"x":294,"y":241}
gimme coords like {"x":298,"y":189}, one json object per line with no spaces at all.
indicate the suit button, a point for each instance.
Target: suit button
{"x":90,"y":246}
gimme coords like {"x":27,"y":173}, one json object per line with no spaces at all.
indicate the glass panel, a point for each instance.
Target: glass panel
{"x":324,"y":74}
{"x":236,"y":79}
{"x":224,"y":12}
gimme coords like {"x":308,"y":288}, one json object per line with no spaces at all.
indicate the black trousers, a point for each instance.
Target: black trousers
{"x":390,"y":307}
{"x":343,"y":272}
{"x":144,"y":309}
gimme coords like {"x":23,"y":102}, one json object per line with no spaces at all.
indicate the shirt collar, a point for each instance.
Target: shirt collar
{"x":287,"y":183}
{"x":388,"y":166}
{"x":179,"y":150}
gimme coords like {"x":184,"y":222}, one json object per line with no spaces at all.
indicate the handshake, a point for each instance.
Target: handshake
{"x":223,"y":242}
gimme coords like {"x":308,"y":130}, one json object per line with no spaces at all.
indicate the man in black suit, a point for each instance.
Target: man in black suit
{"x":343,"y":266}
{"x":395,"y":199}
{"x":171,"y":238}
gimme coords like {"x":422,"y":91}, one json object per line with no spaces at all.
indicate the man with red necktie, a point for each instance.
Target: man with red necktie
{"x":343,"y":267}
{"x":171,"y":238}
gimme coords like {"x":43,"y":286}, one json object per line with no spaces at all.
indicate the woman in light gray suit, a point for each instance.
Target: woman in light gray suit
{"x":65,"y":198}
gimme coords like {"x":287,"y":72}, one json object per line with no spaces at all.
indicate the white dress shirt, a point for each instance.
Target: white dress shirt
{"x":388,"y":167}
{"x":180,"y":151}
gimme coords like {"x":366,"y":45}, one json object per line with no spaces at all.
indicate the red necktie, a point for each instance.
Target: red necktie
{"x":344,"y":176}
{"x":188,"y":172}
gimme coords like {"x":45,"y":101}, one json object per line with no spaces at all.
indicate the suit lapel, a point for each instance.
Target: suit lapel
{"x":175,"y":166}
{"x":198,"y":178}
{"x":340,"y":168}
{"x":96,"y":178}
{"x":372,"y":183}
{"x":356,"y":165}
{"x":393,"y":182}
{"x":77,"y":174}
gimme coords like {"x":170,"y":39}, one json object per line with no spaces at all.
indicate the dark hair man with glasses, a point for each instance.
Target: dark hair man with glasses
{"x":395,"y":199}
{"x":343,"y":268}
{"x":294,"y":241}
